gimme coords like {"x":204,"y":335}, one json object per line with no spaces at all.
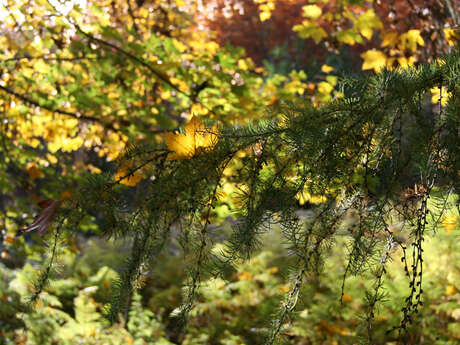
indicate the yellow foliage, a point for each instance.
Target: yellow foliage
{"x":308,"y":29}
{"x":374,"y":59}
{"x":266,"y":7}
{"x":41,"y":66}
{"x":325,"y":88}
{"x":212,"y":47}
{"x":242,"y":65}
{"x":366,"y":23}
{"x":65,"y":144}
{"x":34,"y":171}
{"x":327,"y":68}
{"x":406,"y":62}
{"x":263,"y":16}
{"x":131,"y":180}
{"x":437,"y":94}
{"x":198,"y":109}
{"x":194,"y":141}
{"x":450,"y":223}
{"x":34,"y":142}
{"x":390,"y":39}
{"x":410,"y":40}
{"x":165,"y":95}
{"x":179,"y":45}
{"x":296,"y":85}
{"x":182,"y":85}
{"x":52,"y":159}
{"x":348,"y":37}
{"x":451,"y":36}
{"x":283,"y":288}
{"x":311,"y":11}
{"x":304,"y":197}
{"x":451,"y":290}
{"x":93,"y":169}
{"x":245,"y":276}
{"x":347,"y":298}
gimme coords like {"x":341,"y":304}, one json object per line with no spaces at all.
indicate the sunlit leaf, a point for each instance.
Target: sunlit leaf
{"x":410,"y":40}
{"x":327,"y":68}
{"x":451,"y":35}
{"x":308,"y":29}
{"x":438,"y":94}
{"x":450,"y":223}
{"x":196,"y":139}
{"x":263,"y":16}
{"x":126,"y":177}
{"x":450,"y":290}
{"x":373,"y":59}
{"x":311,"y":11}
{"x":367,"y":23}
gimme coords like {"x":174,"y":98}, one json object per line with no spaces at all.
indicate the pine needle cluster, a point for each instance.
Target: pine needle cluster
{"x":380,"y":156}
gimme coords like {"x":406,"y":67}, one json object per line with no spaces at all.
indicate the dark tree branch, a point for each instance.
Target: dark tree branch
{"x":49,"y":58}
{"x":140,"y":61}
{"x":154,"y":71}
{"x":59,"y":111}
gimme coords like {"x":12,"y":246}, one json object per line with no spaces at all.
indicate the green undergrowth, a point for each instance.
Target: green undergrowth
{"x":232,"y":311}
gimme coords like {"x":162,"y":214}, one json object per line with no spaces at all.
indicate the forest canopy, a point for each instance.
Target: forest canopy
{"x":191,"y":134}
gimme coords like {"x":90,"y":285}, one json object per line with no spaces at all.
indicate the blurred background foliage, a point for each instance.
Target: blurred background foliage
{"x":233,"y":311}
{"x":82,"y":80}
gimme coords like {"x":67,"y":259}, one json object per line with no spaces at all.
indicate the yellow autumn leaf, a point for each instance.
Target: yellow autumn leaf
{"x":347,"y":298}
{"x":93,"y":169}
{"x":52,"y":159}
{"x":325,"y":88}
{"x":373,"y":59}
{"x":198,"y":109}
{"x":242,"y":65}
{"x":196,"y":139}
{"x":451,"y":290}
{"x":449,"y":223}
{"x":34,"y":171}
{"x":181,"y":85}
{"x":165,"y":94}
{"x":390,"y":39}
{"x":366,"y":23}
{"x":308,"y":29}
{"x":327,"y":68}
{"x":41,"y":66}
{"x":263,"y":16}
{"x":212,"y":47}
{"x":131,"y":180}
{"x":34,"y":142}
{"x":410,"y":40}
{"x":245,"y":276}
{"x":332,"y":79}
{"x":405,"y":63}
{"x":349,"y":37}
{"x":451,"y":36}
{"x":304,"y":197}
{"x":437,"y":94}
{"x":27,"y":72}
{"x":71,"y":144}
{"x":312,"y":11}
{"x":179,"y":45}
